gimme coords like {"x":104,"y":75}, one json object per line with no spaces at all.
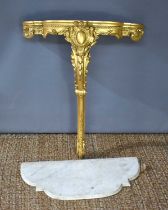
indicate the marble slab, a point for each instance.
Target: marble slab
{"x":81,"y":179}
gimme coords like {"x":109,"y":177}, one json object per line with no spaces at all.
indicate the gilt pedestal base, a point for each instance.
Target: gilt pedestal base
{"x":81,"y":179}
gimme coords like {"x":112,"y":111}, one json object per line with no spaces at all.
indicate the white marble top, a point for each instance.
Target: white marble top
{"x":80,"y":179}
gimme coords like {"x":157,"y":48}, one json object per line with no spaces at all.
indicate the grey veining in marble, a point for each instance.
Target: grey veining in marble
{"x":80,"y":179}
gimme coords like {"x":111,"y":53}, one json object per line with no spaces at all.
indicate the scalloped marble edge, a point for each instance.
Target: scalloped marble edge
{"x":39,"y":187}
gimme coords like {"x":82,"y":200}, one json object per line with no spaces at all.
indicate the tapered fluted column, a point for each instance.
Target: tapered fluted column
{"x":81,"y":125}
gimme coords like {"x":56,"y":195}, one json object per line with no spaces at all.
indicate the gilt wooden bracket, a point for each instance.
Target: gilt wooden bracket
{"x":82,"y":35}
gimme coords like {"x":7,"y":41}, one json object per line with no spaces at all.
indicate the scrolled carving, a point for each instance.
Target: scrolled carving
{"x":137,"y":35}
{"x":28,"y":32}
{"x":81,"y":36}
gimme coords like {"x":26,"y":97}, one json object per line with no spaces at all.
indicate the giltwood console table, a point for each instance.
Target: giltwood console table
{"x":81,"y":179}
{"x":82,"y":35}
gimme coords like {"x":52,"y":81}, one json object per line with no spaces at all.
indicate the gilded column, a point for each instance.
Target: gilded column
{"x":81,"y":36}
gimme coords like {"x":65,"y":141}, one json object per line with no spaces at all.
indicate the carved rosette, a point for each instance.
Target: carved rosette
{"x":81,"y":36}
